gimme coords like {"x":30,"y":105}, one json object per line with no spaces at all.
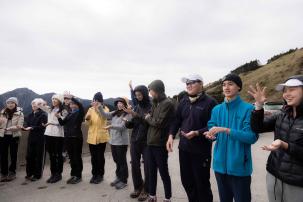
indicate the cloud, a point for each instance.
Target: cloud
{"x":87,"y":46}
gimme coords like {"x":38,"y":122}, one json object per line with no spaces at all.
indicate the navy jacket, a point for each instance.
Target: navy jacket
{"x":194,"y":117}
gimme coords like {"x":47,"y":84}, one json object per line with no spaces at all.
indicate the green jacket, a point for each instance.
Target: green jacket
{"x":161,"y":115}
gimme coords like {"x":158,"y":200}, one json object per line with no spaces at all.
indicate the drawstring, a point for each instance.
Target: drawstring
{"x":275,"y":188}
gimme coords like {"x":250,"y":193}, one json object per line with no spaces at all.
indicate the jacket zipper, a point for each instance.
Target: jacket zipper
{"x":227,"y":104}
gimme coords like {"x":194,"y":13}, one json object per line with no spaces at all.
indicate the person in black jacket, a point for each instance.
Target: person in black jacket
{"x":74,"y":139}
{"x":285,"y":163}
{"x":138,"y":141}
{"x":35,"y":145}
{"x":193,"y":113}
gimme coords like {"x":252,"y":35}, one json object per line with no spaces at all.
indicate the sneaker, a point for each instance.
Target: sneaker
{"x":11,"y":176}
{"x":3,"y":178}
{"x":50,"y":179}
{"x":113,"y":183}
{"x":92,"y":179}
{"x":152,"y":199}
{"x":143,"y":196}
{"x":75,"y":180}
{"x":70,"y":179}
{"x":56,"y":178}
{"x":135,"y":194}
{"x":98,"y":179}
{"x":120,"y":185}
{"x":28,"y":177}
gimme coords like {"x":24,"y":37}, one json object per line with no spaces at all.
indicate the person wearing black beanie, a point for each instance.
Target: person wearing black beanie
{"x":234,"y":78}
{"x":98,"y":97}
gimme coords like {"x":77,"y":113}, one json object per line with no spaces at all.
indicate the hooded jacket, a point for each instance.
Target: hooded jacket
{"x":161,"y":116}
{"x":138,"y":123}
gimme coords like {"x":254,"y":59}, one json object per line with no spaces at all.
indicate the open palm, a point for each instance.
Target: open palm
{"x":258,"y":93}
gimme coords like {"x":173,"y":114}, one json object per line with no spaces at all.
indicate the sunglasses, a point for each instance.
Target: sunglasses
{"x":191,"y":82}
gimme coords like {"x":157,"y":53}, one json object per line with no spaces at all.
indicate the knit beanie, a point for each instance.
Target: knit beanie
{"x":12,"y":99}
{"x":98,"y":97}
{"x":234,"y":78}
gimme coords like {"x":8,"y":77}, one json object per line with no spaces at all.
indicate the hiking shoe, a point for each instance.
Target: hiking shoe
{"x":98,"y":179}
{"x":152,"y":199}
{"x":11,"y":176}
{"x":92,"y":179}
{"x":120,"y":185}
{"x":75,"y":180}
{"x":3,"y":178}
{"x":28,"y":177}
{"x":143,"y":196}
{"x":35,"y":178}
{"x":50,"y":179}
{"x":135,"y":194}
{"x":113,"y":183}
{"x":56,"y":178}
{"x":70,"y":179}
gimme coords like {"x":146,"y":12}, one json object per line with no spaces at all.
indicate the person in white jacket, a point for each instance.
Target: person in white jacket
{"x":54,"y":137}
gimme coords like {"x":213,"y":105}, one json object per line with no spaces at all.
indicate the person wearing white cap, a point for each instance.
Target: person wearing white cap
{"x":54,"y":137}
{"x":192,"y":115}
{"x":284,"y":167}
{"x":11,"y":122}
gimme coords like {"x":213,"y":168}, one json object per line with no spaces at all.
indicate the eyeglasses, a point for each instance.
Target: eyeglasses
{"x":191,"y":82}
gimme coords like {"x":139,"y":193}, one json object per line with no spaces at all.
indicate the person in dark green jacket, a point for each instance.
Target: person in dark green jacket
{"x":159,"y":120}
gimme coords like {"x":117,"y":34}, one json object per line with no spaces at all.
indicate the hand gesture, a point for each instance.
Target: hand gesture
{"x":275,"y":145}
{"x":128,"y":109}
{"x":258,"y":94}
{"x":190,"y":134}
{"x":130,"y":84}
{"x":27,"y":129}
{"x":108,"y":127}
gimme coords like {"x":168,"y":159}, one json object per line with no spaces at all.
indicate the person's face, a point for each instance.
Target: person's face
{"x":293,"y":95}
{"x":139,"y":95}
{"x":194,"y":87}
{"x":95,"y":103}
{"x":55,"y":102}
{"x":73,"y":106}
{"x":120,"y":105}
{"x":67,"y":101}
{"x":153,"y":94}
{"x":10,"y":105}
{"x":230,"y":89}
{"x":34,"y":106}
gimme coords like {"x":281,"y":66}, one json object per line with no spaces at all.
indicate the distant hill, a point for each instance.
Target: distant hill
{"x":25,"y":97}
{"x":277,"y":69}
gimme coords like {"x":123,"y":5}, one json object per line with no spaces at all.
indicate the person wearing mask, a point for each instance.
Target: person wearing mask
{"x":284,"y":178}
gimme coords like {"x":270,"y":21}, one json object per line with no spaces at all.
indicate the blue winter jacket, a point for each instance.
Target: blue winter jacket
{"x":232,"y":153}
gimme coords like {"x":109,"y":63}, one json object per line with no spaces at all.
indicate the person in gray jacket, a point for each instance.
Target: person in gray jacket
{"x":118,"y":140}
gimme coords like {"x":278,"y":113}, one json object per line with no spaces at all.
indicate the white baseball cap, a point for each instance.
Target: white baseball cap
{"x":192,"y":77}
{"x":289,"y":83}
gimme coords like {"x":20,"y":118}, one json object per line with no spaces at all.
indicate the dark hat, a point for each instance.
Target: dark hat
{"x":98,"y":97}
{"x":157,"y":86}
{"x":76,"y":101}
{"x":120,"y":99}
{"x":234,"y":78}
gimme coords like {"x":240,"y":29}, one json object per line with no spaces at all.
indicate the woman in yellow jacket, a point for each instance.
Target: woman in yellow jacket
{"x":97,"y":138}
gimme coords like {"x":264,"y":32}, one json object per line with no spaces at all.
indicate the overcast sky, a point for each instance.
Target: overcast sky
{"x":86,"y":46}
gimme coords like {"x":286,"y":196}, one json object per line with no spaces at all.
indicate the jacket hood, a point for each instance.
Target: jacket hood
{"x":144,"y":91}
{"x":157,"y":86}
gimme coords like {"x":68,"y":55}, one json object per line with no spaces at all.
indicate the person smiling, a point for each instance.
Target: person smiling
{"x":230,"y":127}
{"x":284,"y":167}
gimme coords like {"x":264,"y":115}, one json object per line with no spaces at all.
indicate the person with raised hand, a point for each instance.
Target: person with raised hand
{"x":284,"y":166}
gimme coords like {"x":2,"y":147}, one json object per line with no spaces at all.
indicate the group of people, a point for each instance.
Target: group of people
{"x":198,"y":119}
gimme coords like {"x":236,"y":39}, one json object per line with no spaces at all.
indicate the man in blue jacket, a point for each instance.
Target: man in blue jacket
{"x":193,"y":113}
{"x":230,"y":127}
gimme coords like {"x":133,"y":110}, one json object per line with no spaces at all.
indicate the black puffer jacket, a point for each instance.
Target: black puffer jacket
{"x":35,"y":121}
{"x":138,"y":122}
{"x":286,"y":165}
{"x":73,"y":122}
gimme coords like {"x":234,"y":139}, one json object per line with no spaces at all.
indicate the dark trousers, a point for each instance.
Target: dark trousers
{"x":35,"y":157}
{"x":74,"y":149}
{"x":138,"y":149}
{"x":158,"y":157}
{"x":119,"y":156}
{"x":233,"y":187}
{"x":195,"y":175}
{"x":97,"y":158}
{"x":54,"y":147}
{"x":8,"y":142}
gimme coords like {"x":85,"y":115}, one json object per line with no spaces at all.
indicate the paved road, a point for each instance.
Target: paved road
{"x":40,"y":191}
